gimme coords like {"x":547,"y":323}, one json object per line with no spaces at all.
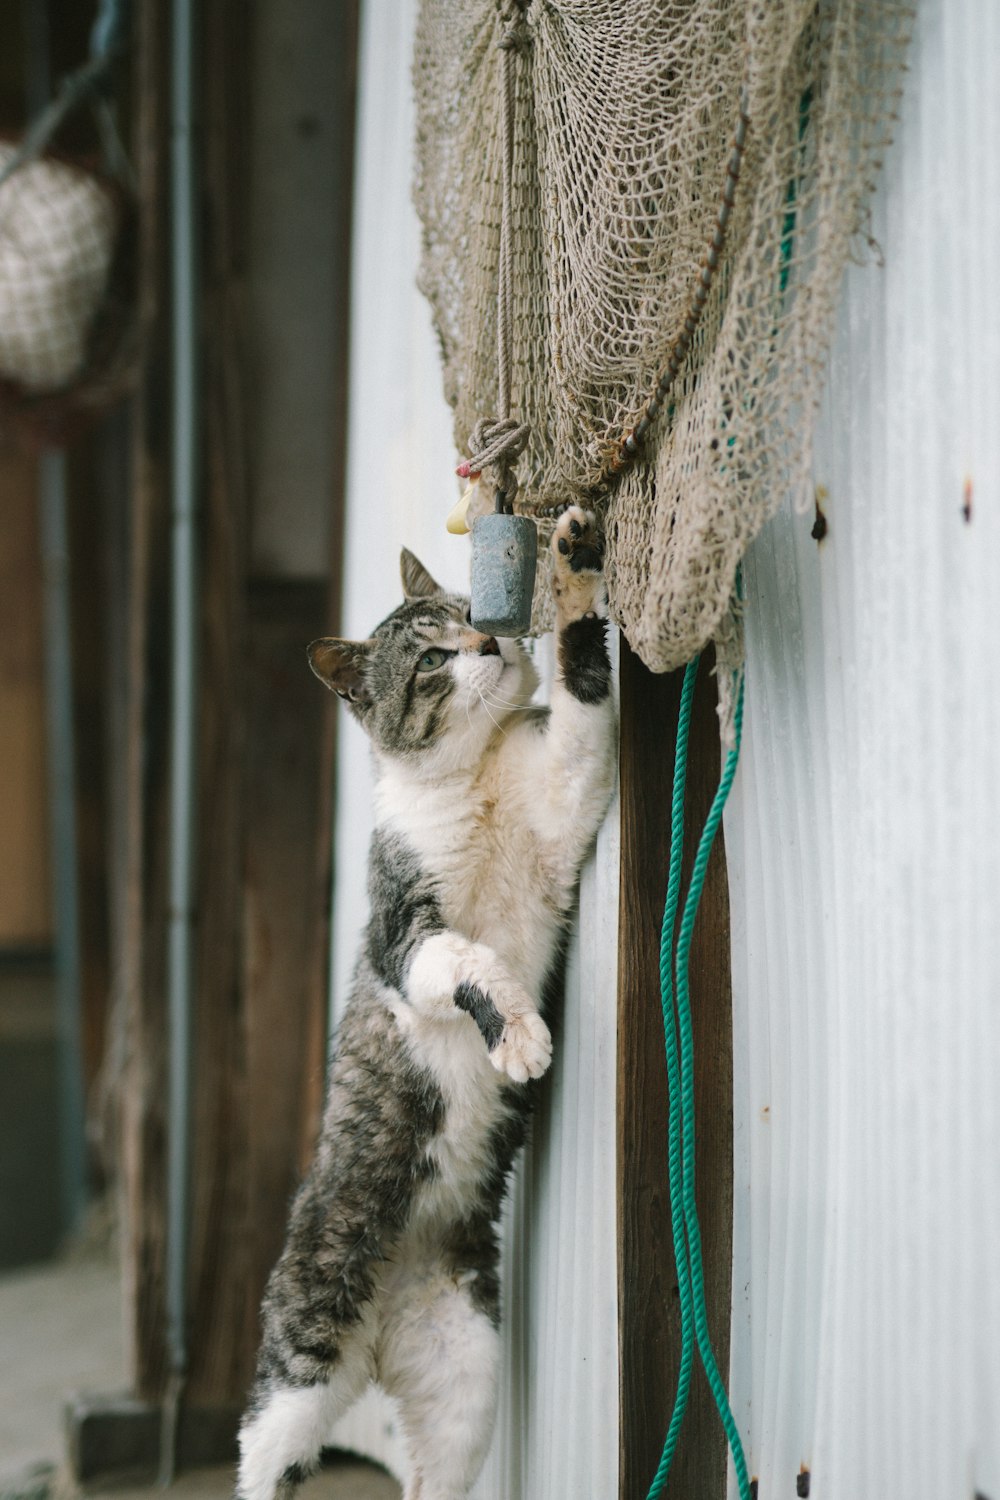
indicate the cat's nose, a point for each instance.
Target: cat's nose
{"x":488,"y":646}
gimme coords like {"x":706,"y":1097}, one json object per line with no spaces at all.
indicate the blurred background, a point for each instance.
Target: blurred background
{"x":222,"y":313}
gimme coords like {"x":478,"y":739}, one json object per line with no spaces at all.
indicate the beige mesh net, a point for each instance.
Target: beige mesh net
{"x":57,"y":237}
{"x":67,"y":324}
{"x":623,"y":117}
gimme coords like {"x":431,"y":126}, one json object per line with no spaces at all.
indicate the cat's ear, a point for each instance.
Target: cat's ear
{"x":417,"y":582}
{"x":341,"y":665}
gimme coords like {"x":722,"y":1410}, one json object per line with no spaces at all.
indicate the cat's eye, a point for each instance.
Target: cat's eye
{"x":431,"y":660}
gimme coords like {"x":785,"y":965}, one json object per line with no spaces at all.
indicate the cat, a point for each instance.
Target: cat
{"x":485,"y":809}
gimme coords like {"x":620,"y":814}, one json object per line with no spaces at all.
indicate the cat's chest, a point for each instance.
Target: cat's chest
{"x":491,"y":873}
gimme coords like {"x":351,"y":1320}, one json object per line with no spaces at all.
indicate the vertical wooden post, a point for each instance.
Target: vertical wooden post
{"x":88,"y":598}
{"x":265,"y":750}
{"x":318,"y":966}
{"x":25,"y":876}
{"x":649,"y":1320}
{"x":141,"y":902}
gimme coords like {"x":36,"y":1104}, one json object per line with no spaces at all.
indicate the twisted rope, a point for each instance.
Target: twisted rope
{"x":680,"y":1074}
{"x":498,"y":442}
{"x":674,"y":1086}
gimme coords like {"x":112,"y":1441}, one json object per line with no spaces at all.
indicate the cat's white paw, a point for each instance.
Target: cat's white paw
{"x":577,"y":577}
{"x":525,"y":1048}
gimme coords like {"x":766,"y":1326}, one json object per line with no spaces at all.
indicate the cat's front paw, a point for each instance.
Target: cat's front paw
{"x":578,"y":551}
{"x":525,"y":1047}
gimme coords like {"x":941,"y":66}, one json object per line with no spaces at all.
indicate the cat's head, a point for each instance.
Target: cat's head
{"x":426,"y":684}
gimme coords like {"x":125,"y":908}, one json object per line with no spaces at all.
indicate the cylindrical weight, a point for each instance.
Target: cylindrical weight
{"x":504,"y":553}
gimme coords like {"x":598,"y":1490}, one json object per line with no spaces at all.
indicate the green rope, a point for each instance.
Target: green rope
{"x":680,"y":1076}
{"x":674,"y":1083}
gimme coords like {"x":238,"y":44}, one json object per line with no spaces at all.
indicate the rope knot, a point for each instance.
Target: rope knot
{"x":499,"y":442}
{"x":514,"y":36}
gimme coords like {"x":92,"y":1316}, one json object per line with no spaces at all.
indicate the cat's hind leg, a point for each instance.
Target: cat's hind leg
{"x":440,"y":1358}
{"x":288,"y":1426}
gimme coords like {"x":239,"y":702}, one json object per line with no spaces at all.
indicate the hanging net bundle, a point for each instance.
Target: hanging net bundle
{"x":67,"y":342}
{"x":628,"y":278}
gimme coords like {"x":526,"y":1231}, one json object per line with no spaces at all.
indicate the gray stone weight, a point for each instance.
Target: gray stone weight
{"x":504,"y":553}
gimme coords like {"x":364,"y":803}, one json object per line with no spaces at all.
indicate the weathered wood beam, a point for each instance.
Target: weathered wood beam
{"x":264,"y":754}
{"x":140,"y":876}
{"x":649,"y":1314}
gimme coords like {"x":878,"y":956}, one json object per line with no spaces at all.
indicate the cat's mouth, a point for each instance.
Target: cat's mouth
{"x":485,"y":671}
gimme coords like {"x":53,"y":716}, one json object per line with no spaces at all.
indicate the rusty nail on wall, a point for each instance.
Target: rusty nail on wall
{"x":820,"y":526}
{"x":967,"y":499}
{"x":802,"y":1483}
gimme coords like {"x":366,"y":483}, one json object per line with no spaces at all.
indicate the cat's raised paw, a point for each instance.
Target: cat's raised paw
{"x":525,"y":1047}
{"x":577,"y":577}
{"x":577,"y":542}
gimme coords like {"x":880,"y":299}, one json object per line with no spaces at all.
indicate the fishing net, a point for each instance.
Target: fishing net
{"x":66,"y":346}
{"x":623,"y":115}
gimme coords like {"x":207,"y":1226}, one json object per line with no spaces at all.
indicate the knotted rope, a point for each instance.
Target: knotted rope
{"x":498,"y":442}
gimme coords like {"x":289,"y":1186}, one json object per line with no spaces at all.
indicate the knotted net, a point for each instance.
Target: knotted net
{"x":623,"y":116}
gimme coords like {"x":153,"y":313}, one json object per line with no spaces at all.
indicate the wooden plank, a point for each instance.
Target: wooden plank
{"x":264,"y":786}
{"x":263,"y":798}
{"x":25,"y":899}
{"x":117,"y":1440}
{"x":649,"y":1321}
{"x":140,"y":886}
{"x":284,"y":755}
{"x":88,"y":604}
{"x":221,"y":1343}
{"x":342,"y":187}
{"x":218,"y":1257}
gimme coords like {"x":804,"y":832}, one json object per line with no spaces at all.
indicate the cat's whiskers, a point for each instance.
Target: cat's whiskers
{"x":483,"y":701}
{"x":499,"y":701}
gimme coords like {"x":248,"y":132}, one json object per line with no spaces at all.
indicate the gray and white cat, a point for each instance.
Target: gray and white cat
{"x":485,"y":809}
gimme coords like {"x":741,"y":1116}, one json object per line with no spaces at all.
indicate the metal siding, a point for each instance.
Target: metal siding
{"x":862,"y":842}
{"x":557,"y":1432}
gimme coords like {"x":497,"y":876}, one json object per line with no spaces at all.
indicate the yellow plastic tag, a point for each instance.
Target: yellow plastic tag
{"x":456,"y":522}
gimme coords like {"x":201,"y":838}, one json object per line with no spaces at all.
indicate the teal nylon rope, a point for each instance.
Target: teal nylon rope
{"x":680,"y":1076}
{"x":674,"y":1083}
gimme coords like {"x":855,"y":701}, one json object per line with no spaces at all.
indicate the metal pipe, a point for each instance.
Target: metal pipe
{"x":183,"y":772}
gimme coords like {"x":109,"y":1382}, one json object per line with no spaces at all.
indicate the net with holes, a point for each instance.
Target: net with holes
{"x":624,"y":111}
{"x":61,"y":238}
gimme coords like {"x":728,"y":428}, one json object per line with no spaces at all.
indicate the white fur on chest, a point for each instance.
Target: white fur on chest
{"x":498,"y":880}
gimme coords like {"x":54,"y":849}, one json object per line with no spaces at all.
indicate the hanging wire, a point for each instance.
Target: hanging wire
{"x":107,"y":40}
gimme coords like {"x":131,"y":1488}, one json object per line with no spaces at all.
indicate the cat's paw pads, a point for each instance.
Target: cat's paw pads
{"x":525,"y":1047}
{"x":577,"y":579}
{"x":577,"y":542}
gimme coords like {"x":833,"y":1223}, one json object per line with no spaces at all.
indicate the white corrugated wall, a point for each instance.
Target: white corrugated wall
{"x":557,"y":1433}
{"x":863,"y":841}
